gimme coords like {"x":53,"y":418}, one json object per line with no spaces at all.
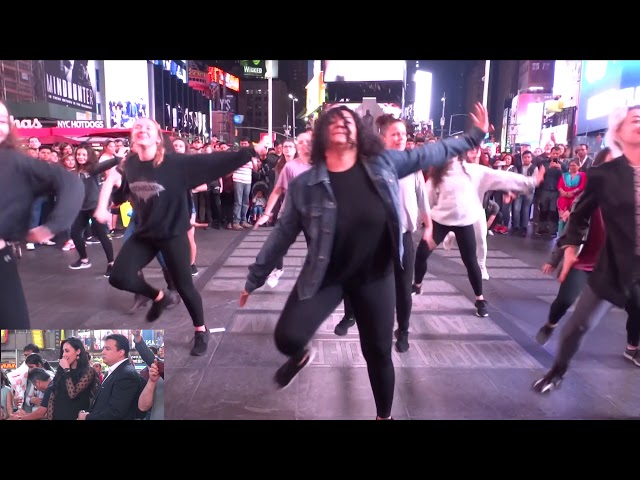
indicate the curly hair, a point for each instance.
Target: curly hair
{"x":367,"y":143}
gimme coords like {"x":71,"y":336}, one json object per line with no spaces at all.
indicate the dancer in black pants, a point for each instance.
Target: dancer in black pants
{"x":158,"y":181}
{"x":413,"y":199}
{"x":614,"y":188}
{"x":22,"y":179}
{"x":348,"y":205}
{"x":89,"y":171}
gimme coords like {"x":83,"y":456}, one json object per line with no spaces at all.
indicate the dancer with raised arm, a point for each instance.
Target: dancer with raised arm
{"x":348,"y":206}
{"x":158,"y":182}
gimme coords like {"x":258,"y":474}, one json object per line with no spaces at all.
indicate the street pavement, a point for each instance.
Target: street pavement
{"x":458,"y":366}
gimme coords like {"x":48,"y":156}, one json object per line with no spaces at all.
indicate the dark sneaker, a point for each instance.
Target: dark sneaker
{"x":158,"y":307}
{"x":194,"y":270}
{"x":92,"y":241}
{"x":481,"y":308}
{"x":633,"y":355}
{"x":107,"y":274}
{"x":343,"y":327}
{"x":80,"y":264}
{"x":551,"y":380}
{"x":139,"y":301}
{"x":402,"y":341}
{"x":544,"y":334}
{"x":287,"y":372}
{"x":200,"y":343}
{"x":415,"y":290}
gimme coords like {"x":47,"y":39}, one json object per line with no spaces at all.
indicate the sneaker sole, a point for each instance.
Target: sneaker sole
{"x":80,"y":268}
{"x":312,"y":356}
{"x":481,"y":316}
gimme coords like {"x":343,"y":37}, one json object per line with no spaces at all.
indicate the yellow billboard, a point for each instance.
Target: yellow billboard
{"x":315,"y":93}
{"x":38,"y":338}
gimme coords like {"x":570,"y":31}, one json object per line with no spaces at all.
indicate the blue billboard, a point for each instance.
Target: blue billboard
{"x":606,"y":84}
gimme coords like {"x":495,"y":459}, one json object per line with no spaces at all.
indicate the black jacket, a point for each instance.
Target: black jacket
{"x":610,"y":187}
{"x":118,"y":395}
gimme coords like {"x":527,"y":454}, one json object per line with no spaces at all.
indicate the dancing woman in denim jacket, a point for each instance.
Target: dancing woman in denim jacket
{"x":348,"y":206}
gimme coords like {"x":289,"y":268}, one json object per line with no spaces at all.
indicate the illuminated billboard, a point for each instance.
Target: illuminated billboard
{"x":369,"y":110}
{"x":364,"y":70}
{"x":71,"y":83}
{"x":126,"y":92}
{"x":315,"y":93}
{"x":606,"y":84}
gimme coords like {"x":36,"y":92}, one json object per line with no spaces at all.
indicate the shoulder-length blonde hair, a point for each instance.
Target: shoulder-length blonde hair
{"x":160,"y":143}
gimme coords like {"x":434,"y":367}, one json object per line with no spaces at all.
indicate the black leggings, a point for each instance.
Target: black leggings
{"x":373,"y":305}
{"x":466,"y":238}
{"x":100,"y":229}
{"x":14,"y":314}
{"x":137,"y":252}
{"x":403,"y":276}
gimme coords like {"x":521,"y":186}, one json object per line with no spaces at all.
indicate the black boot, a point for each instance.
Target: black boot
{"x":175,"y":297}
{"x":139,"y":301}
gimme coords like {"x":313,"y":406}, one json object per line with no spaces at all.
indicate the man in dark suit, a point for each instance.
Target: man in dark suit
{"x":614,"y":188}
{"x":120,"y":389}
{"x":583,"y":158}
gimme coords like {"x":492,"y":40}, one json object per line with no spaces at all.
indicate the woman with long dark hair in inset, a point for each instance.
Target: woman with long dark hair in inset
{"x":21,"y":180}
{"x":614,"y":188}
{"x":89,"y":171}
{"x":348,"y":207}
{"x":75,"y":382}
{"x":158,"y":182}
{"x":456,"y":207}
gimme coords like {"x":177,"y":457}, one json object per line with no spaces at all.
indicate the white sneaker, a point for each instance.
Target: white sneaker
{"x":69,"y":245}
{"x":31,"y":246}
{"x":483,"y":271}
{"x":48,"y":243}
{"x":449,"y":241}
{"x":274,"y":276}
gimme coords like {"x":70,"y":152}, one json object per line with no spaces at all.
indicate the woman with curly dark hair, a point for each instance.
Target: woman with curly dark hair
{"x":348,"y":206}
{"x":75,"y":383}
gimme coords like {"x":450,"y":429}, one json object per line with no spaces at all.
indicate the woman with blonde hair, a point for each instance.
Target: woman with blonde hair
{"x":614,"y":188}
{"x":156,"y":182}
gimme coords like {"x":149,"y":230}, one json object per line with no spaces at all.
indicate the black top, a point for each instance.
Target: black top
{"x":362,"y":246}
{"x":611,"y":188}
{"x":158,"y":192}
{"x":91,"y":181}
{"x":24,"y":178}
{"x":72,"y":393}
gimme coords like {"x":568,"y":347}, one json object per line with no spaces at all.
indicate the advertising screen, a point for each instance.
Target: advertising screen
{"x":364,"y":70}
{"x":71,"y":83}
{"x":605,"y":85}
{"x":126,"y":92}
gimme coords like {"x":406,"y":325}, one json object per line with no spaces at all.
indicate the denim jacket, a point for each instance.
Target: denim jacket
{"x":311,"y":207}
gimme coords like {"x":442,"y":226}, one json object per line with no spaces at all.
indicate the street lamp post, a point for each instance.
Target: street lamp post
{"x":442,"y":119}
{"x":293,"y":110}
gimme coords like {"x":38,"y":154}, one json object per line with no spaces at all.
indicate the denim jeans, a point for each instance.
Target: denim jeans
{"x":241,"y":192}
{"x":36,"y":211}
{"x":521,"y":211}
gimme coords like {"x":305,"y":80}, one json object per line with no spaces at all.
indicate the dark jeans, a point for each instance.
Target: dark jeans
{"x":14,"y":314}
{"x":127,"y":234}
{"x":590,"y":309}
{"x":569,"y":292}
{"x":137,"y":252}
{"x":215,"y":203}
{"x":100,"y":229}
{"x":373,"y":305}
{"x":521,"y":212}
{"x":466,"y":239}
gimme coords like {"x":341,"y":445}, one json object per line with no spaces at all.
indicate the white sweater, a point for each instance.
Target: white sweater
{"x":456,"y":202}
{"x":413,"y":200}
